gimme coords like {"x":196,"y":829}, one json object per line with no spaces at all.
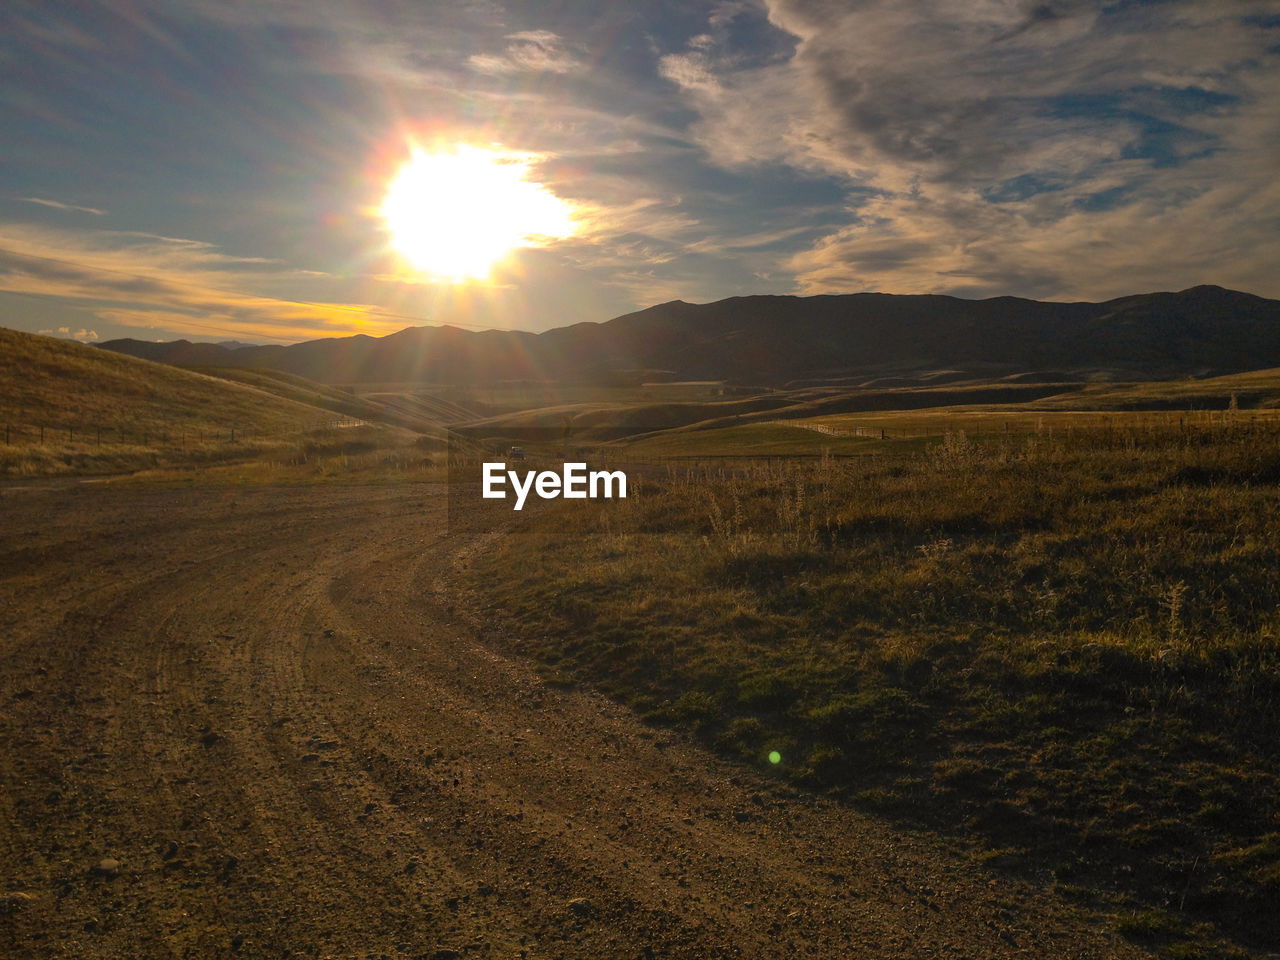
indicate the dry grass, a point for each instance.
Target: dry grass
{"x":63,"y":385}
{"x":1046,"y":420}
{"x":69,"y":409}
{"x":1064,"y":647}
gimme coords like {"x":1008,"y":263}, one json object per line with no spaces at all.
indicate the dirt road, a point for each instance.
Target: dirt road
{"x":263,"y":723}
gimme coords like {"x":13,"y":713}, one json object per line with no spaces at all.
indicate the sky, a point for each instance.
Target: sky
{"x":219,"y":169}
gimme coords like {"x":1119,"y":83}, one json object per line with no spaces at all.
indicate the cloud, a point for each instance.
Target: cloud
{"x":1065,"y":149}
{"x":751,"y":115}
{"x":58,"y":205}
{"x":315,"y":97}
{"x":537,"y":51}
{"x":144,"y":280}
{"x":83,"y":335}
{"x":1170,"y":234}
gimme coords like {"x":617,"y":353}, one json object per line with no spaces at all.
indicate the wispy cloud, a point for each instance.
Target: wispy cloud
{"x":1175,"y":232}
{"x":1070,"y":149}
{"x":143,"y":280}
{"x":538,"y":51}
{"x":83,"y":335}
{"x":1013,"y":147}
{"x":58,"y":205}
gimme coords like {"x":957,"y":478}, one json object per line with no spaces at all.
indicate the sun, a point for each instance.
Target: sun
{"x":454,"y":214}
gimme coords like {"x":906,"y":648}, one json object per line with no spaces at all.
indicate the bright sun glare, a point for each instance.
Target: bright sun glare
{"x":454,"y":214}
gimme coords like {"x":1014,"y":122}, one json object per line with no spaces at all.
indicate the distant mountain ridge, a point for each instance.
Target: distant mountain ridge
{"x":773,"y":340}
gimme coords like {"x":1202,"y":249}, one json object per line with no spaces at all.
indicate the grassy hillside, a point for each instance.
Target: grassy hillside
{"x":60,"y":384}
{"x":742,"y":441}
{"x":610,"y":421}
{"x":617,"y":421}
{"x":1254,"y":390}
{"x":424,"y":415}
{"x":66,"y":408}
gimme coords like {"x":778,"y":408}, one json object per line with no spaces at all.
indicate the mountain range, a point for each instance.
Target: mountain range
{"x":780,"y":340}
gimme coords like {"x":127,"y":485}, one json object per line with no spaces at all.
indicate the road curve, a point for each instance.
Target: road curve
{"x":265,"y":723}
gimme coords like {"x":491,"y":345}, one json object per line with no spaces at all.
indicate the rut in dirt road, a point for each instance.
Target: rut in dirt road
{"x":254,"y":723}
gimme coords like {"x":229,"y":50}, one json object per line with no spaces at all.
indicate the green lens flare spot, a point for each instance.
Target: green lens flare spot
{"x":775,"y":756}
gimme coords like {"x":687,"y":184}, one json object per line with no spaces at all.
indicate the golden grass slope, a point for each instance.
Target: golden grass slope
{"x":62,"y":385}
{"x":407,"y":407}
{"x":1256,"y":389}
{"x":69,"y":409}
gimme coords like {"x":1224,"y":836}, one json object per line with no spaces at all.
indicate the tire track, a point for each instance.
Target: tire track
{"x":273,"y":710}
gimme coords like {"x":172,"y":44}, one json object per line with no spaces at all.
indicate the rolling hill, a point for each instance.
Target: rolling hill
{"x":67,"y":408}
{"x":60,"y":384}
{"x":848,"y":339}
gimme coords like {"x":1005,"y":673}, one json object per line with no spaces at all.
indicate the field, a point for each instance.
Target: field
{"x":836,"y":679}
{"x":1056,"y":642}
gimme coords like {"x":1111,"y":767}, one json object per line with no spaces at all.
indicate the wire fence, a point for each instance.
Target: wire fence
{"x":1047,"y":423}
{"x":21,"y":433}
